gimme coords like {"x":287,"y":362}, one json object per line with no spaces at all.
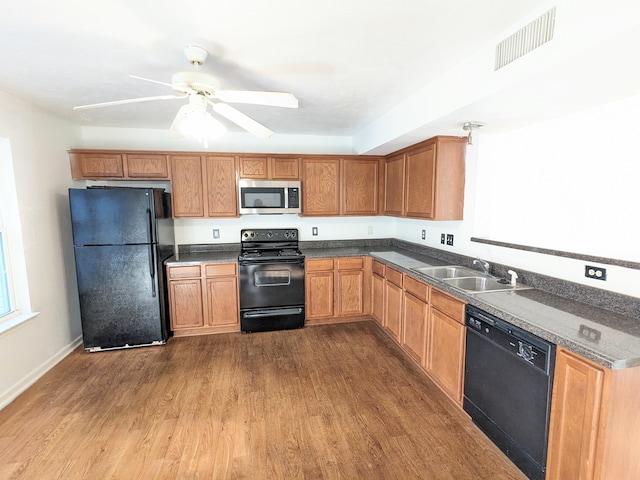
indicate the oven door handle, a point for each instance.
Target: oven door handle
{"x":272,"y":262}
{"x":272,"y":313}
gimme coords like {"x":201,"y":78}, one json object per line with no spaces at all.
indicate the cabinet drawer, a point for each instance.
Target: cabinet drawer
{"x":378,"y":268}
{"x":218,"y":269}
{"x":187,"y":271}
{"x":448,"y":304}
{"x":417,"y":288}
{"x":319,"y":264}
{"x":393,"y":276}
{"x":351,"y":263}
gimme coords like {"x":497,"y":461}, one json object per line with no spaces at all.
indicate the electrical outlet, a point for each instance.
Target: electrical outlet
{"x":314,"y":231}
{"x":597,"y":273}
{"x":442,"y":237}
{"x":424,"y":234}
{"x":216,"y":233}
{"x":590,"y":333}
{"x":450,"y":239}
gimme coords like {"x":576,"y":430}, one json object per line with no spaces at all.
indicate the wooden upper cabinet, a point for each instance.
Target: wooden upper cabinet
{"x":284,"y":168}
{"x":360,"y":187}
{"x":321,"y":186}
{"x":419,"y":180}
{"x":204,"y":186}
{"x":222,"y":186}
{"x":146,"y":166}
{"x":427,"y":180}
{"x":254,"y":167}
{"x":269,"y":168}
{"x":97,"y":165}
{"x":187,"y":186}
{"x":394,"y":185}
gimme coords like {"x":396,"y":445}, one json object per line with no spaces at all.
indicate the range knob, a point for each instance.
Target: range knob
{"x":269,"y":234}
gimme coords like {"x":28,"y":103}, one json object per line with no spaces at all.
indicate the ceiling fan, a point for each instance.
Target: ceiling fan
{"x":203,"y":90}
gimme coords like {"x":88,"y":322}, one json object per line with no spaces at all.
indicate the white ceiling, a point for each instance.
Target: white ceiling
{"x":349,"y":62}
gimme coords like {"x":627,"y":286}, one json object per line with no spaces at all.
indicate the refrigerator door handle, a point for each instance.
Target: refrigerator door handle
{"x":152,"y":262}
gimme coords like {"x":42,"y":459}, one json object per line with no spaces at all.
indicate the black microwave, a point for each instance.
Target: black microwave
{"x":269,"y":196}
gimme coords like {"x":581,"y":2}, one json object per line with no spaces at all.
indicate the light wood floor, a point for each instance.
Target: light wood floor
{"x":326,"y":402}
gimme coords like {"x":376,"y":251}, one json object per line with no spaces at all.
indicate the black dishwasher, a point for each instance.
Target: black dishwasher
{"x":507,"y":388}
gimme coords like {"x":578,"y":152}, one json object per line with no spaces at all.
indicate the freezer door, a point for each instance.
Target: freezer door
{"x":112,"y":216}
{"x":120,"y":300}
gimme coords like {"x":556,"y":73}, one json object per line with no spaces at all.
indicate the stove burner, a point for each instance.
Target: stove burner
{"x":288,"y":252}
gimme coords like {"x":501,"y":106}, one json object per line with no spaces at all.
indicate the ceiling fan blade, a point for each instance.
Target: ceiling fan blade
{"x":149,"y":80}
{"x":130,"y":100}
{"x":239,"y":118}
{"x":274,"y":99}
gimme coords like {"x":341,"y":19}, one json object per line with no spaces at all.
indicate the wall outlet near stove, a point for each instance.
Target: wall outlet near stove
{"x":216,"y":233}
{"x":424,"y":234}
{"x":314,"y":231}
{"x":442,"y":238}
{"x":597,"y":273}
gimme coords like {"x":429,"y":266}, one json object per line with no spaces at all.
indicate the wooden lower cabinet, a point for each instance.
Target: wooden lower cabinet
{"x":595,"y":421}
{"x":337,"y":289}
{"x":393,"y":303}
{"x":377,"y":291}
{"x":203,"y":298}
{"x":426,"y":322}
{"x":446,"y":344}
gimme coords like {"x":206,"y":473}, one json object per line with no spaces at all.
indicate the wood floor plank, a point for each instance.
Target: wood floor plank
{"x":323,"y":402}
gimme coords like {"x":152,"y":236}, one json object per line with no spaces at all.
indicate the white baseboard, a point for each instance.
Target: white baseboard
{"x":12,"y":392}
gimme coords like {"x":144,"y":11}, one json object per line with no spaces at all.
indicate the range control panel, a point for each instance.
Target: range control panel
{"x":269,"y":235}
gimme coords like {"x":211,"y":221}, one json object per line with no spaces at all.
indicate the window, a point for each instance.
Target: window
{"x":6,"y":303}
{"x":15,"y":304}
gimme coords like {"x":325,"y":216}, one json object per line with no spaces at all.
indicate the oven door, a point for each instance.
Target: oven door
{"x":271,"y":284}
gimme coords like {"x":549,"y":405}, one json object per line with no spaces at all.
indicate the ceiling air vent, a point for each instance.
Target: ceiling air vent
{"x":528,"y":38}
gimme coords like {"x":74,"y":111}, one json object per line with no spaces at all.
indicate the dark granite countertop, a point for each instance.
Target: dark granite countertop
{"x":192,"y":258}
{"x":615,"y":343}
{"x":554,"y":318}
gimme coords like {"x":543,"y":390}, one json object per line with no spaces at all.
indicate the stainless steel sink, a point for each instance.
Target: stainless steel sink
{"x":480,"y":284}
{"x":449,"y":271}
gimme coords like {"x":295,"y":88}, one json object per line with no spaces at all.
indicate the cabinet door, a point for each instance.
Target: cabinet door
{"x":146,"y":166}
{"x":254,"y":167}
{"x":359,"y":187}
{"x":97,"y":165}
{"x":575,"y":418}
{"x":320,"y":190}
{"x":377,"y":303}
{"x":445,"y":353}
{"x":419,"y":182}
{"x":393,"y":309}
{"x":222,"y":301}
{"x":394,"y":185}
{"x":319,"y":295}
{"x":222,"y":190}
{"x":350,"y":292}
{"x":284,"y":168}
{"x":185,"y":299}
{"x":414,"y":327}
{"x":187,"y":190}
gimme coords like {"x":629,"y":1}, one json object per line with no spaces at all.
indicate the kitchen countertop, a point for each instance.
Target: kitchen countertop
{"x":551,"y":317}
{"x":554,"y":318}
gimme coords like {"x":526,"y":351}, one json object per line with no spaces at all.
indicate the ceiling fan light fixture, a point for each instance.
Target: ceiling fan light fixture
{"x":193,"y":121}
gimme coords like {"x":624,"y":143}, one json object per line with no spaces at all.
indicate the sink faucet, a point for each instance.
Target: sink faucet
{"x":484,"y":264}
{"x":514,"y":277}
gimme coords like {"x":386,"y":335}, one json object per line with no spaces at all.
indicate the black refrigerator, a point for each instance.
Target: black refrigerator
{"x":121,"y":238}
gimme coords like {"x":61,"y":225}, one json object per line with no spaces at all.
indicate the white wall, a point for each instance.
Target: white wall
{"x":569,"y":184}
{"x":41,"y":167}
